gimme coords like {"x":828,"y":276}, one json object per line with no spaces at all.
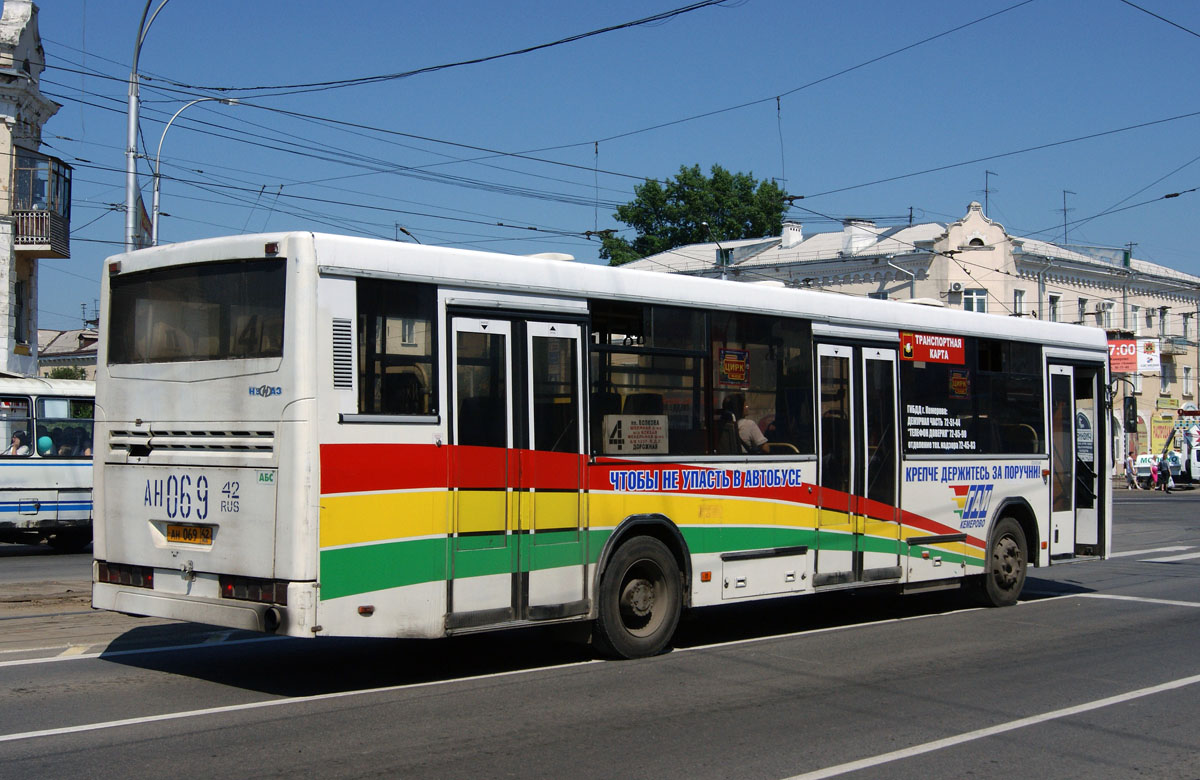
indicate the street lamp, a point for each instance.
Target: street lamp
{"x":131,"y":188}
{"x":158,"y":157}
{"x":724,"y":258}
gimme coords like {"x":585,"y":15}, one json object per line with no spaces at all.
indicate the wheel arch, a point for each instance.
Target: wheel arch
{"x":1019,"y":510}
{"x":661,"y":528}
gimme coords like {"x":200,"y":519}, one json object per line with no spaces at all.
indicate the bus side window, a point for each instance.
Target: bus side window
{"x":64,"y":427}
{"x":15,"y":426}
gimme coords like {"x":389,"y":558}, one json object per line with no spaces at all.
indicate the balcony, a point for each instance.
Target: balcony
{"x":1174,"y":345}
{"x":41,"y":206}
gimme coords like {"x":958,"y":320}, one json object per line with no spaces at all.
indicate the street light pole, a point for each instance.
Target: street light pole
{"x":131,"y":186}
{"x":158,"y":157}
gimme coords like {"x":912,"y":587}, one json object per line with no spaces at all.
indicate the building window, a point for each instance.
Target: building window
{"x":1104,"y":315}
{"x":1167,"y":377}
{"x":1149,"y":319}
{"x":1162,"y":321}
{"x":1082,"y":311}
{"x":1054,"y":301}
{"x":878,"y":296}
{"x":975,"y":300}
{"x":1137,"y":382}
{"x":1187,"y":380}
{"x":21,"y":311}
{"x":1135,"y":320}
{"x":1187,"y":327}
{"x":1018,"y":302}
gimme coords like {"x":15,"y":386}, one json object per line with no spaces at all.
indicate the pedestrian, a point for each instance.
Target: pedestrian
{"x":1153,"y":473}
{"x":1164,"y":475}
{"x":1130,"y":473}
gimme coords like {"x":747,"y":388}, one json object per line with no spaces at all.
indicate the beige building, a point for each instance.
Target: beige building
{"x":35,"y":189}
{"x":974,"y":264}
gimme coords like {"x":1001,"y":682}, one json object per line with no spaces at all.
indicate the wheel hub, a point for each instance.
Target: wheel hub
{"x":638,"y":597}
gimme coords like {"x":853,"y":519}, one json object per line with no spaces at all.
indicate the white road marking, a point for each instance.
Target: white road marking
{"x":1143,"y":599}
{"x":73,"y":650}
{"x":1171,"y":558}
{"x":1130,"y":553}
{"x":273,"y":703}
{"x":991,"y":731}
{"x":115,"y":653}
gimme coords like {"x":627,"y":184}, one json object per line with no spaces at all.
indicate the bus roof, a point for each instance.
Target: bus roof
{"x":466,"y":268}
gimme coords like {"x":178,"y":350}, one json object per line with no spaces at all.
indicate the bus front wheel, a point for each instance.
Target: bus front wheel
{"x":640,"y":599}
{"x":1007,"y":561}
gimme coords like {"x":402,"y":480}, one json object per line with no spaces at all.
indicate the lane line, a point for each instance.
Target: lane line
{"x":991,"y":731}
{"x":73,"y":650}
{"x":257,"y":705}
{"x":1171,"y":558}
{"x":1143,"y":599}
{"x":141,"y":651}
{"x":1128,"y":553}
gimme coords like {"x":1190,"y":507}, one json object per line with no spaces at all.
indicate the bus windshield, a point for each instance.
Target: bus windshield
{"x":209,"y":311}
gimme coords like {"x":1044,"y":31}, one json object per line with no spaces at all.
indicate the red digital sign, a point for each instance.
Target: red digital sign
{"x":932,"y":348}
{"x":1123,"y":356}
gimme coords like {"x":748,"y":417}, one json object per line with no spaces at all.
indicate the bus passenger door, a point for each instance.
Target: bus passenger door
{"x":552,"y":553}
{"x":480,"y":585}
{"x":879,"y":506}
{"x":1075,"y":458}
{"x":836,"y":546}
{"x":858,"y":442}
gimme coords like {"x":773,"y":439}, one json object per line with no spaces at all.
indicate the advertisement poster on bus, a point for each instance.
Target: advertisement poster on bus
{"x":932,"y":348}
{"x":735,"y":368}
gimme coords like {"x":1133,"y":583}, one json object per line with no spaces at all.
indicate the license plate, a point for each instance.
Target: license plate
{"x":190,"y":534}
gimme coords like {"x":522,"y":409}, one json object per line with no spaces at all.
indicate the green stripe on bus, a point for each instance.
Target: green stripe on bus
{"x":350,"y":570}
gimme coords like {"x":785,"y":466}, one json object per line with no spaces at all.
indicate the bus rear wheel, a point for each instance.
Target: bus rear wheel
{"x":1007,"y":561}
{"x":640,"y":599}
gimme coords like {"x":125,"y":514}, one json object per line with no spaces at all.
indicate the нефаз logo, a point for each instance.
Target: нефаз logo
{"x":266,"y":391}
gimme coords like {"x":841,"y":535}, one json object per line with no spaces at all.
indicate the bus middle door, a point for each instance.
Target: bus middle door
{"x":857,"y":518}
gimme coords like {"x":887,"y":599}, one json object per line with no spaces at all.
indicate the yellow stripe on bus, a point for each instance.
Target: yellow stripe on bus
{"x":380,"y":516}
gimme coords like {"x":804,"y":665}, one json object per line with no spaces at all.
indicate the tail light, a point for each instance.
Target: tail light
{"x":124,"y":574}
{"x":253,"y":589}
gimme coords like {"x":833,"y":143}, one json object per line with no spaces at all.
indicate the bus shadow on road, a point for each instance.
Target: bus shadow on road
{"x":306,"y":667}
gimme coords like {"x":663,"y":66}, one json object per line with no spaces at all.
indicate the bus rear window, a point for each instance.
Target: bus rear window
{"x":211,"y":311}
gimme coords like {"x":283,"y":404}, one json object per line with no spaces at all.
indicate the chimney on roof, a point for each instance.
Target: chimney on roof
{"x":857,"y":235}
{"x":793,"y":234}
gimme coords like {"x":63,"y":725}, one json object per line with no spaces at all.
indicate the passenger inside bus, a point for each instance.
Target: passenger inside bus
{"x":20,"y":444}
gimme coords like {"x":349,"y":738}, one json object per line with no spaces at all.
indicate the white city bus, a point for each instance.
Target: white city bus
{"x":46,"y":462}
{"x":315,"y":435}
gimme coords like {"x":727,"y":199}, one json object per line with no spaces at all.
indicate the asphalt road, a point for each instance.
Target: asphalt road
{"x":1095,"y":674}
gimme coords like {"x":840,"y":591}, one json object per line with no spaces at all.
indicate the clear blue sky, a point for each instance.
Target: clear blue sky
{"x":424,"y":153}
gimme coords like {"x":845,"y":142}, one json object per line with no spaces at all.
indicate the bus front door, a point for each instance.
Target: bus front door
{"x":517,"y":543}
{"x":858,"y":530}
{"x":1075,"y":461}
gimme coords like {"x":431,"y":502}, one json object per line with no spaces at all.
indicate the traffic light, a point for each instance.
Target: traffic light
{"x":1130,"y":415}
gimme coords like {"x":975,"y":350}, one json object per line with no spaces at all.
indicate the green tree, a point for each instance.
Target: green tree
{"x":67,"y":372}
{"x":667,"y":216}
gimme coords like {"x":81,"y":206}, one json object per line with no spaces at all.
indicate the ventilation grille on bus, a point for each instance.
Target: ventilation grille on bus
{"x":343,"y":354}
{"x":141,"y":442}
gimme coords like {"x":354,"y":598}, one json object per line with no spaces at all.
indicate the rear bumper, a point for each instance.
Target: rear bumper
{"x":242,"y":615}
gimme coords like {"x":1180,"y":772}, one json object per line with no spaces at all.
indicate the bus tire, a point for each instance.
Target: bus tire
{"x":1007,"y":561}
{"x":70,"y":541}
{"x":640,"y":600}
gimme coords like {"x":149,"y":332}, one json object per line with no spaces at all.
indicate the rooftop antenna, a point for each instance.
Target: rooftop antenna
{"x":987,"y":189}
{"x":1064,"y":211}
